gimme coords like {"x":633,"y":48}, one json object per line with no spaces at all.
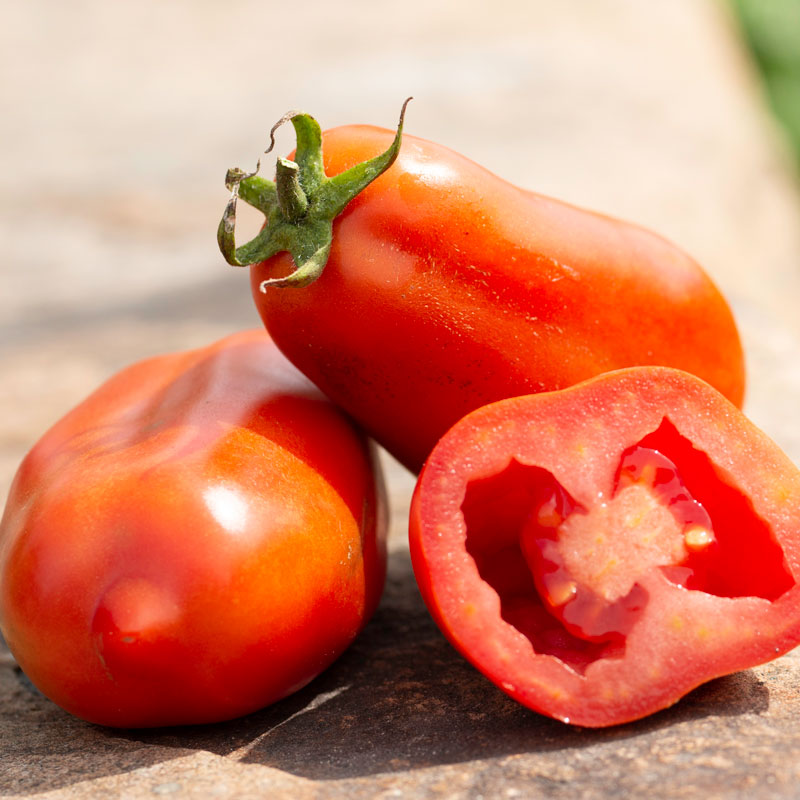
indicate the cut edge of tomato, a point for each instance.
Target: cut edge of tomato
{"x":480,"y":486}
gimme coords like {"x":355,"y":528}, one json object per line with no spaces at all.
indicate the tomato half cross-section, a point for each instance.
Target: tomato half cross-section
{"x":202,"y":536}
{"x":600,"y":551}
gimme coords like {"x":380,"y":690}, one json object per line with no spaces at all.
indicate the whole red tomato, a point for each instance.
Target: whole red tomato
{"x":447,"y":288}
{"x":600,"y":551}
{"x":200,"y":537}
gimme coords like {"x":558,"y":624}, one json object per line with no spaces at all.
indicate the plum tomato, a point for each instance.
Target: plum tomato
{"x":441,"y":287}
{"x":203,"y":535}
{"x":600,"y":551}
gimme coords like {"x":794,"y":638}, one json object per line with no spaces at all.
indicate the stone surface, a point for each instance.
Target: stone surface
{"x":124,"y":120}
{"x":402,"y":715}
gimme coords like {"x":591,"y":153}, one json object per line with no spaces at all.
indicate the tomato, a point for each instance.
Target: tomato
{"x":600,"y":551}
{"x":446,"y":288}
{"x":200,"y":537}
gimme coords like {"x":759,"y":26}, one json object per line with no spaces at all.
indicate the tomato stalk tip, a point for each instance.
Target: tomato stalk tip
{"x":292,"y":200}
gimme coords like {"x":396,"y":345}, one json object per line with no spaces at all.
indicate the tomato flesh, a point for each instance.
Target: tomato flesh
{"x":599,"y":560}
{"x":576,"y":570}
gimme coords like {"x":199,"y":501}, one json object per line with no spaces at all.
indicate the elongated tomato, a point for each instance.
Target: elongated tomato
{"x":445,"y":287}
{"x":200,"y":537}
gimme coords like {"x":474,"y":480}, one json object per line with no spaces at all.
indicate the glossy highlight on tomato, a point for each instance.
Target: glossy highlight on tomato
{"x":200,"y":537}
{"x":446,"y":288}
{"x":601,"y":550}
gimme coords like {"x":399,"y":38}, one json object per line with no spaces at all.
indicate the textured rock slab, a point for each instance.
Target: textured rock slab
{"x":402,"y":715}
{"x":110,"y":188}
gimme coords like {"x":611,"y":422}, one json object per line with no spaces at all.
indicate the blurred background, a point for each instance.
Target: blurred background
{"x":120,"y":119}
{"x":771,"y":29}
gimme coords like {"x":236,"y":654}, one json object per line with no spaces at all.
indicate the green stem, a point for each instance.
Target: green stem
{"x":300,"y":206}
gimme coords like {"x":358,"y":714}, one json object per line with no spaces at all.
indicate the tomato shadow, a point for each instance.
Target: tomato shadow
{"x":402,"y":698}
{"x":43,"y":748}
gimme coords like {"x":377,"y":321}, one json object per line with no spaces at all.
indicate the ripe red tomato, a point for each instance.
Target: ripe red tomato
{"x":600,"y":551}
{"x":200,"y":537}
{"x":447,"y":288}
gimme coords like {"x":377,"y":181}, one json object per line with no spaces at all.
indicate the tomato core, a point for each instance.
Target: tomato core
{"x":568,"y":574}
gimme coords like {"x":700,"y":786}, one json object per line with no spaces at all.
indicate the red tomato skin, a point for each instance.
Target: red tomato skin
{"x":448,"y":288}
{"x":200,"y":537}
{"x":683,"y":638}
